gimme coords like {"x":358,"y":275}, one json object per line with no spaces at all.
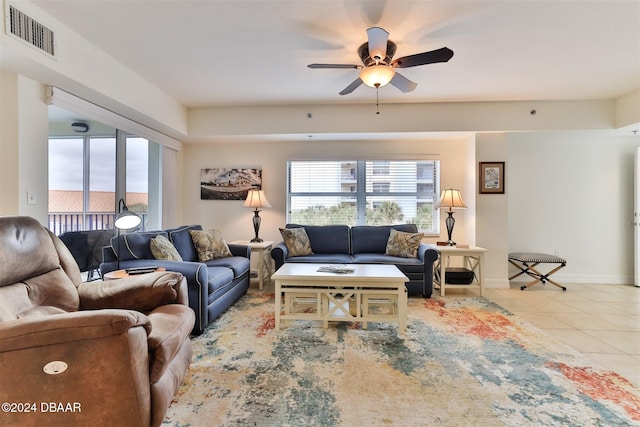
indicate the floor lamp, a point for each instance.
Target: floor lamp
{"x":451,"y":199}
{"x":126,"y":220}
{"x":256,"y":200}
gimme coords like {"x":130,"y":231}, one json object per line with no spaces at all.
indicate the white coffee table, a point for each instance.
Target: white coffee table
{"x":309,"y":294}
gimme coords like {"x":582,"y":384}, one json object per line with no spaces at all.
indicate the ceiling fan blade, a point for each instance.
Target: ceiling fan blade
{"x":353,"y":86}
{"x":378,"y":38}
{"x":439,"y":55}
{"x":403,"y":83}
{"x":350,"y":66}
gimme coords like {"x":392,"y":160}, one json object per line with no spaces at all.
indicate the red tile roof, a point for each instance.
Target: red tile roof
{"x":99,"y":201}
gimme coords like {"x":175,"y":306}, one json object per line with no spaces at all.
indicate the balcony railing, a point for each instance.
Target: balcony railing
{"x":62,"y":222}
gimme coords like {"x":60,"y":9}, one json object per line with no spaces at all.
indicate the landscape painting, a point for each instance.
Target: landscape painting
{"x":228,"y":184}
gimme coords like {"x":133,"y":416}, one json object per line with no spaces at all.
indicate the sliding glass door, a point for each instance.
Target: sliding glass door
{"x":83,"y":171}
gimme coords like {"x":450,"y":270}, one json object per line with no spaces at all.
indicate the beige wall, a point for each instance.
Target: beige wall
{"x":24,"y":147}
{"x":572,"y":193}
{"x":235,"y":221}
{"x":8,"y":143}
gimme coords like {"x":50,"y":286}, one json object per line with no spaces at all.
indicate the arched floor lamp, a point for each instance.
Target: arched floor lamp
{"x":126,"y":221}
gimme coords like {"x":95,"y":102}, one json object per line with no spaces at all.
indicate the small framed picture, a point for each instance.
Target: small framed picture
{"x":491,"y":178}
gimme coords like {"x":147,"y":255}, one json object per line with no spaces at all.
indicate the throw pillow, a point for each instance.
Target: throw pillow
{"x":209,"y":244}
{"x":403,"y":244}
{"x":163,"y":249}
{"x":297,"y":241}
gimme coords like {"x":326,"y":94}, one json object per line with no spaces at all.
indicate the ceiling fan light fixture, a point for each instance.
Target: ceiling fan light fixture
{"x":377,"y":75}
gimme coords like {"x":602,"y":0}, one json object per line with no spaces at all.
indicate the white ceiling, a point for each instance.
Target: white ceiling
{"x":242,"y":52}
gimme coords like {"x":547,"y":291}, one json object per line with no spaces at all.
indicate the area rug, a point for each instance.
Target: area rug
{"x":463,"y":361}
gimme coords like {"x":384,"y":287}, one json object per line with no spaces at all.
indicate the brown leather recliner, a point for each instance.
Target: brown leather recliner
{"x":85,"y":354}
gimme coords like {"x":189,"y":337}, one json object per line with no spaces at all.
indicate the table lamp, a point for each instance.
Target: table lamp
{"x":126,"y":220}
{"x":256,"y":200}
{"x":451,"y":199}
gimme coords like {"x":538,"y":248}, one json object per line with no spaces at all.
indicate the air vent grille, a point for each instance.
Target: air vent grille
{"x":31,"y":31}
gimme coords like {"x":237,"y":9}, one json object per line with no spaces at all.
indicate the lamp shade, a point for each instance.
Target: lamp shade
{"x":256,"y":199}
{"x":126,"y":220}
{"x":451,"y":198}
{"x":377,"y":75}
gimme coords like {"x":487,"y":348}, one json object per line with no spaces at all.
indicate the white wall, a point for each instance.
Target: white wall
{"x":573,"y":193}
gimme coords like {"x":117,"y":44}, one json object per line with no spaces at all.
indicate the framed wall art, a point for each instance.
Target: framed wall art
{"x":491,"y":178}
{"x":228,"y":184}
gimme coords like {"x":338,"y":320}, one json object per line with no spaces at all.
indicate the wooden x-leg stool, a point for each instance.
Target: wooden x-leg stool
{"x":526,"y":263}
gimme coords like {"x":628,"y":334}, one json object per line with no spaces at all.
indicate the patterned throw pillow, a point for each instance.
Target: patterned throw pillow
{"x":209,"y":244}
{"x":163,"y":249}
{"x":296,"y":241}
{"x":403,"y":244}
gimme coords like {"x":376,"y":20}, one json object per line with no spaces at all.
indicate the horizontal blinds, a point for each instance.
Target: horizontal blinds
{"x":364,"y":192}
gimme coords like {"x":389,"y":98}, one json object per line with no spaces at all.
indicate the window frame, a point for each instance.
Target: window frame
{"x":358,"y":189}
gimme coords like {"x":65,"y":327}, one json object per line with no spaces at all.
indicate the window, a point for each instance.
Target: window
{"x":82,"y":181}
{"x":364,"y":192}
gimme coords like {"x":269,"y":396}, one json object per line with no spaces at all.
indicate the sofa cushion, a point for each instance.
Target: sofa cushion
{"x":297,"y":241}
{"x":135,"y":245}
{"x":163,"y":249}
{"x":327,"y":239}
{"x":239,"y":265}
{"x":373,"y":239}
{"x":403,"y":244}
{"x":209,"y":244}
{"x":218,"y":277}
{"x":181,"y":239}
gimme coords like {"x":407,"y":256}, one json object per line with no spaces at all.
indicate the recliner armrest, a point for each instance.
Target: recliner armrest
{"x":142,"y":293}
{"x":40,"y":331}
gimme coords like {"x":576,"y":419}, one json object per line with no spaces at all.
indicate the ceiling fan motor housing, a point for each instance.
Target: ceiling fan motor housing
{"x":366,"y":59}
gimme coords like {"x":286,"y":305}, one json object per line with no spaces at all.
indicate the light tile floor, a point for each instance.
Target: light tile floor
{"x":600,"y":321}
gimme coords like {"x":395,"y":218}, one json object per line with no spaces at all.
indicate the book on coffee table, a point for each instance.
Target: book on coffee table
{"x":341,"y":269}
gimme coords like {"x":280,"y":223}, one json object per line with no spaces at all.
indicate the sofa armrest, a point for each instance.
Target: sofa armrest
{"x":279,"y":254}
{"x":428,"y":254}
{"x":39,"y":331}
{"x":240,"y":250}
{"x":142,"y":293}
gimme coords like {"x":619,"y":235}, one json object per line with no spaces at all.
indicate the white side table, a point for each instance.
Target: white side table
{"x":473,"y":259}
{"x":263,"y":249}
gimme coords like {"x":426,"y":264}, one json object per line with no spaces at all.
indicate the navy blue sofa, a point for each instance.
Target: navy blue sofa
{"x":213,"y":285}
{"x":341,"y":244}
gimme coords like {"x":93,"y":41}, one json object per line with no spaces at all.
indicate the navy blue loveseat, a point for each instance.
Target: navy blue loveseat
{"x":363,"y":244}
{"x":213,"y":285}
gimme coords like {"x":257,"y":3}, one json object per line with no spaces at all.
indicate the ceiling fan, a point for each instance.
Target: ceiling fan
{"x":378,"y":68}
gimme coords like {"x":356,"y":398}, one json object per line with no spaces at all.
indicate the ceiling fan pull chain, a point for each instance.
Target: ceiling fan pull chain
{"x":377,"y":100}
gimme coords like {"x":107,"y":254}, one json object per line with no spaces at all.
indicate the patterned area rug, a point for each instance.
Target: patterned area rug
{"x":462,"y":361}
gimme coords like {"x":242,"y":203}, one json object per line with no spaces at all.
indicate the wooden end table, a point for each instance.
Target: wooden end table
{"x":473,"y":259}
